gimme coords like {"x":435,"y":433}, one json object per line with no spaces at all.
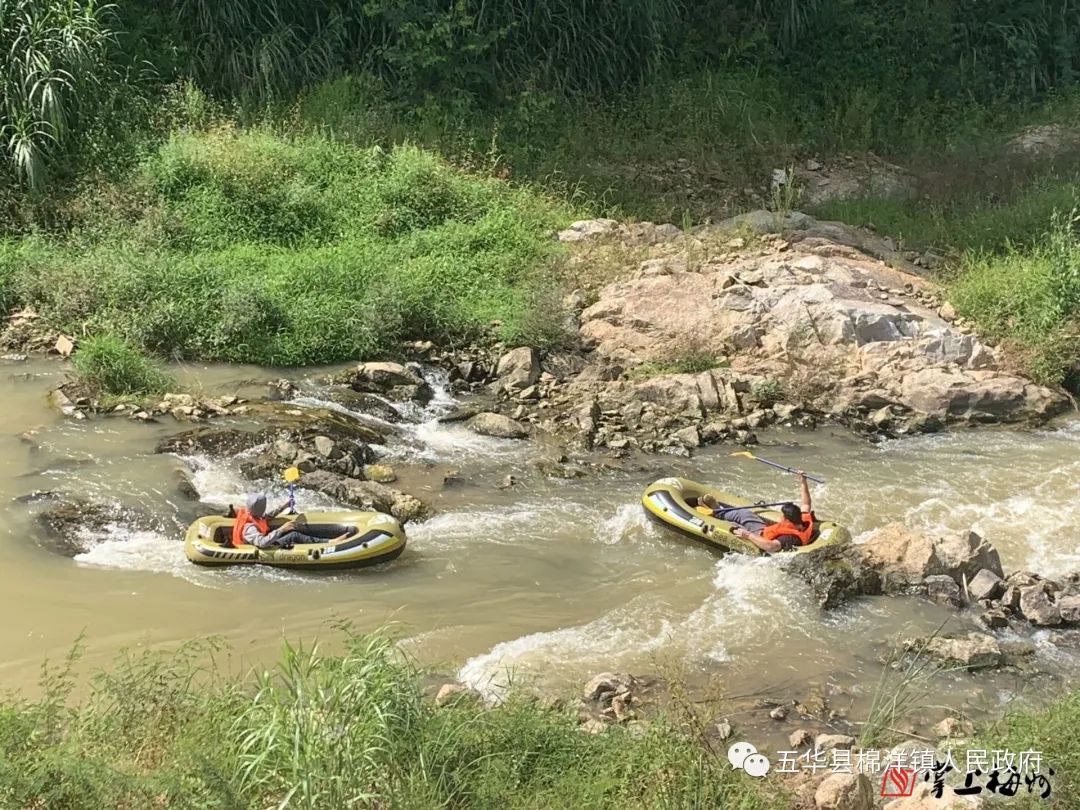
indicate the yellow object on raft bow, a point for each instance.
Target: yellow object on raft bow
{"x":373,"y":538}
{"x":672,"y":503}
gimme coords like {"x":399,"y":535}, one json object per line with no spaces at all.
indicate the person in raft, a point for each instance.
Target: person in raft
{"x":253,"y":528}
{"x":796,"y":528}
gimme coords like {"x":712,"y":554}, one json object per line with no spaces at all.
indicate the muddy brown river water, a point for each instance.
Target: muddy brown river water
{"x":544,"y":583}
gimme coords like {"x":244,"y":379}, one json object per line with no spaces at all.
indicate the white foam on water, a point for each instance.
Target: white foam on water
{"x":746,"y":589}
{"x":220,"y":482}
{"x":616,"y":639}
{"x":515,"y":523}
{"x":628,"y":521}
{"x":120,"y":546}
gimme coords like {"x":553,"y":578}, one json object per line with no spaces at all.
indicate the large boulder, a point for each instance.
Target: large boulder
{"x":845,"y":791}
{"x":518,"y":369}
{"x":904,"y":558}
{"x":497,"y":425}
{"x":210,"y":441}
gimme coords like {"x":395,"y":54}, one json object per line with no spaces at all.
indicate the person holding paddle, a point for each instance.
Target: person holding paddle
{"x":252,"y":527}
{"x":796,"y":527}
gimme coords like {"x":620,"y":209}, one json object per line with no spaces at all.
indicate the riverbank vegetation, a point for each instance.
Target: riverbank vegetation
{"x":294,"y":182}
{"x":316,"y":731}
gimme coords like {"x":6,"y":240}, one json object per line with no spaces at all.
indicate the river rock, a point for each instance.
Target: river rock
{"x":1069,"y":608}
{"x":453,"y":692}
{"x":1037,"y":605}
{"x":904,"y":558}
{"x":954,"y":727}
{"x":360,"y":402}
{"x":380,"y":473}
{"x":972,"y":651}
{"x":326,"y":447}
{"x":393,"y":380}
{"x":210,"y":441}
{"x":942,"y":589}
{"x":829,"y":742}
{"x":587,"y":230}
{"x":985,"y":585}
{"x":836,"y":574}
{"x":606,"y":685}
{"x":497,"y":425}
{"x":845,"y":791}
{"x":59,"y":400}
{"x":365,"y":495}
{"x":518,"y":369}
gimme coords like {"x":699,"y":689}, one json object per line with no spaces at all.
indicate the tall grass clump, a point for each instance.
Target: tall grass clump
{"x":317,"y":730}
{"x":55,"y":58}
{"x":109,"y":366}
{"x":1030,"y":298}
{"x":252,"y":246}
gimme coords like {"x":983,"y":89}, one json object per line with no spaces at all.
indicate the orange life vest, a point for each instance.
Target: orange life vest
{"x":243,"y":518}
{"x":805,"y":533}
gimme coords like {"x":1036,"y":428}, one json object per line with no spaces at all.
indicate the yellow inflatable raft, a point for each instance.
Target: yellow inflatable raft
{"x":672,"y":503}
{"x":373,"y":538}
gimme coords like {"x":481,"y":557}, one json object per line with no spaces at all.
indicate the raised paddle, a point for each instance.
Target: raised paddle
{"x":291,"y":476}
{"x":746,"y":454}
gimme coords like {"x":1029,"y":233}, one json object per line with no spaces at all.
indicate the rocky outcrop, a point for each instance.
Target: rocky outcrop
{"x":904,"y":558}
{"x":715,"y":336}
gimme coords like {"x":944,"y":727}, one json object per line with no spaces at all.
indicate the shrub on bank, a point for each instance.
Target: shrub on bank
{"x":1030,"y":298}
{"x":317,"y":731}
{"x":111,"y":367}
{"x":250,"y":246}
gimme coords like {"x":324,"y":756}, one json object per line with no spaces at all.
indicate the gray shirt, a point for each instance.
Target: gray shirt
{"x":253,"y":537}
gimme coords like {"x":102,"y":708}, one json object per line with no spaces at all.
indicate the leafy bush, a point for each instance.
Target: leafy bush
{"x":109,"y":366}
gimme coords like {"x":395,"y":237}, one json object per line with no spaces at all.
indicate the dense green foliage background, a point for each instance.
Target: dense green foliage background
{"x":179,"y":175}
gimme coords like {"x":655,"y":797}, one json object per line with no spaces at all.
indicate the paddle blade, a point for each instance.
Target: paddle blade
{"x":743,"y":454}
{"x":291,"y":475}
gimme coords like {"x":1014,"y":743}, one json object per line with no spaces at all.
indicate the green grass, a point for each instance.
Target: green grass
{"x":1028,"y":297}
{"x":1052,"y":731}
{"x":316,"y":731}
{"x":108,"y":366}
{"x":255,"y":246}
